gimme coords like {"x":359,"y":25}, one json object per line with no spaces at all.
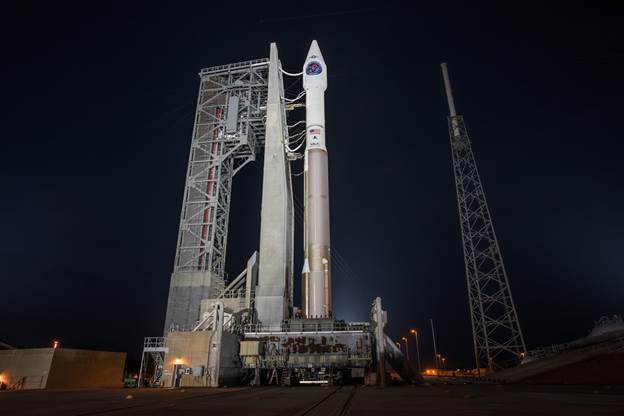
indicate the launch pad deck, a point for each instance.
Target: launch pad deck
{"x":401,"y":400}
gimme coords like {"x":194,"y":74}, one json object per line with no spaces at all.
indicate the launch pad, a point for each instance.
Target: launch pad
{"x":249,"y":330}
{"x":441,"y":400}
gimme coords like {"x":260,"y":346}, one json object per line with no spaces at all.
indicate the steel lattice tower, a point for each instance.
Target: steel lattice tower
{"x":497,"y":337}
{"x":229,"y":129}
{"x":227,"y":135}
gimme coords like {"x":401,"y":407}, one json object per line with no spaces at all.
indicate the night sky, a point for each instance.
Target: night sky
{"x":97,"y":112}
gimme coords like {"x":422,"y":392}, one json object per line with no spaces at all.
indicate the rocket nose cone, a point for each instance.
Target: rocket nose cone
{"x":315,"y":52}
{"x":314,"y":69}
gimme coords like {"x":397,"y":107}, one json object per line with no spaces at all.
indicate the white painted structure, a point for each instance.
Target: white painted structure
{"x":316,"y":269}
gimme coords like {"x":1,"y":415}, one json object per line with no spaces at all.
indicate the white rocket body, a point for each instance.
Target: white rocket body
{"x":316,"y":269}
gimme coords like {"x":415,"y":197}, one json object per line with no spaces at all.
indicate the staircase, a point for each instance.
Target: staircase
{"x":159,"y":360}
{"x":154,"y":348}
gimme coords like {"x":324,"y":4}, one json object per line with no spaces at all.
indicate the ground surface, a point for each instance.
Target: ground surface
{"x":326,"y":401}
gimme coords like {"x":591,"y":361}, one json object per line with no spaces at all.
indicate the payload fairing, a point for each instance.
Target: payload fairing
{"x":316,"y":287}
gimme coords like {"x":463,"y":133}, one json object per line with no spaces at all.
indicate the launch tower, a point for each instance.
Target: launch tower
{"x":247,"y":329}
{"x":497,"y":336}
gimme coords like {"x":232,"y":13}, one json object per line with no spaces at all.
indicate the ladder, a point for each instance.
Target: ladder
{"x":286,"y":379}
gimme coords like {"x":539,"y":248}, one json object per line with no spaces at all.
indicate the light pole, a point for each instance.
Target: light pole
{"x":444,"y":363}
{"x":435,"y":349}
{"x":415,"y":332}
{"x":406,"y":348}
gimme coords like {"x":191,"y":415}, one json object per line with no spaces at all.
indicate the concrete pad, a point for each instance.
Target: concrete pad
{"x":440,"y":400}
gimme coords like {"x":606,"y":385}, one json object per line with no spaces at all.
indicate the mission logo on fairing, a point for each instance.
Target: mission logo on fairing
{"x":314,"y":68}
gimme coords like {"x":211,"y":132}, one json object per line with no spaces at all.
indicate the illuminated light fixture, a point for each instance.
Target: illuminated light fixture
{"x":177,"y":361}
{"x":55,"y":344}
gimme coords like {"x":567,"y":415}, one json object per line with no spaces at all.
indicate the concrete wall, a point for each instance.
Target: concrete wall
{"x":186,"y":291}
{"x":86,"y":369}
{"x":29,"y":367}
{"x":189,"y":349}
{"x":192,"y":350}
{"x":38,"y":368}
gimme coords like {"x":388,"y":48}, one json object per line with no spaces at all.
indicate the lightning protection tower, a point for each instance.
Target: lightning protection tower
{"x":497,"y":336}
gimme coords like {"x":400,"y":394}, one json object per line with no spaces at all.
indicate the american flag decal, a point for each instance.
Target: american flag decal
{"x":315,"y":131}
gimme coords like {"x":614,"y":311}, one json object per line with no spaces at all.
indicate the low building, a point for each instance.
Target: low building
{"x":60,"y":368}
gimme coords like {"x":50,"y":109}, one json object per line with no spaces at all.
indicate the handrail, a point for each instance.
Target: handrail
{"x":237,"y":65}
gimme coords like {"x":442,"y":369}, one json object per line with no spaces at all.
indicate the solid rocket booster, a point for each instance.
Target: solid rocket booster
{"x":316,"y":268}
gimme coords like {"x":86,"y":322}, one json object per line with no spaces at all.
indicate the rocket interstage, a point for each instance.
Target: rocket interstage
{"x":316,"y":284}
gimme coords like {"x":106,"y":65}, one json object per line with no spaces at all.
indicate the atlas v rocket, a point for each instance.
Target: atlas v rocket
{"x":316,"y":274}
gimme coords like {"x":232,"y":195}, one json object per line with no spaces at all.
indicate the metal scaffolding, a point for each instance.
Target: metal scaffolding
{"x":497,"y":337}
{"x":152,"y":358}
{"x":228,"y":132}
